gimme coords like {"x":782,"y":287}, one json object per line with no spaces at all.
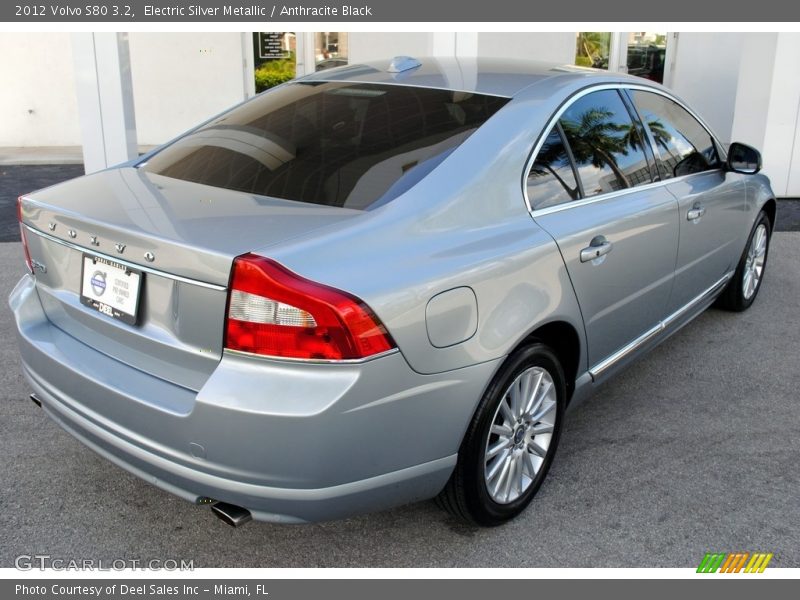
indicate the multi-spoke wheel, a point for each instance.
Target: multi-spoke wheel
{"x":511,"y":441}
{"x":754,"y":263}
{"x":746,"y":281}
{"x":520,"y":435}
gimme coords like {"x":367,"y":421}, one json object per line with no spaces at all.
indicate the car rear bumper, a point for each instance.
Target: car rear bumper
{"x":290,"y":442}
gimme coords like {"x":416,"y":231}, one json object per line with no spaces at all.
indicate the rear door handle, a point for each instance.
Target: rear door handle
{"x":598,"y":247}
{"x":695,"y":212}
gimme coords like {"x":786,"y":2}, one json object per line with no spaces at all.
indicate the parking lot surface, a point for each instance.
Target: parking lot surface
{"x":695,"y":448}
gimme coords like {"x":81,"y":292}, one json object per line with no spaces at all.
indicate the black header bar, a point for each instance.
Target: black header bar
{"x":412,"y":11}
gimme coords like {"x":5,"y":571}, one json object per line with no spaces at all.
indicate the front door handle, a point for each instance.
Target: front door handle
{"x":598,"y":247}
{"x":695,"y":212}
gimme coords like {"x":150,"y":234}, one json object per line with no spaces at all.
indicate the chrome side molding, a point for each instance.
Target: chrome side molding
{"x":661,"y":326}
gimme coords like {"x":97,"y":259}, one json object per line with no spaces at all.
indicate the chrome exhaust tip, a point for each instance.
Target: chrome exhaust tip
{"x":233,"y":515}
{"x":36,"y":400}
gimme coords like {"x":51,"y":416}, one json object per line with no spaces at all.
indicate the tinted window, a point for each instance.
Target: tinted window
{"x":683,"y":144}
{"x":551,"y":180}
{"x":605,"y":143}
{"x":337,"y":144}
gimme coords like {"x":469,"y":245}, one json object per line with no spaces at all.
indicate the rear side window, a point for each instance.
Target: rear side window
{"x":551,"y":179}
{"x":605,"y":143}
{"x":352,"y":145}
{"x":683,"y":144}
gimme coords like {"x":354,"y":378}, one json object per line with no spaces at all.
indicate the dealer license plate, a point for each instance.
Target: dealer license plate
{"x":111,"y":288}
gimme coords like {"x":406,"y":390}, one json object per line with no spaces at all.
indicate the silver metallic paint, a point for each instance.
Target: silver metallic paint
{"x":286,"y":439}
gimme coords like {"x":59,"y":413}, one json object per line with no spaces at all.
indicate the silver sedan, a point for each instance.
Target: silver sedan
{"x":381,"y":283}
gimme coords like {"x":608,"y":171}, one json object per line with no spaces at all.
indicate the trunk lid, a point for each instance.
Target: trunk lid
{"x":183,"y":237}
{"x":192,"y":230}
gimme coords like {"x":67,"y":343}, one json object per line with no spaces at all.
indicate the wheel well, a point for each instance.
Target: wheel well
{"x":770,"y":207}
{"x":564,"y":341}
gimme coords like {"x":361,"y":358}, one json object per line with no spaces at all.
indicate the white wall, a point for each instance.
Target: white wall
{"x":38,"y":106}
{"x":368,"y":46}
{"x":768,"y":106}
{"x":181,"y":79}
{"x":793,"y":183}
{"x":706,"y":74}
{"x":554,"y":47}
{"x":747,"y":87}
{"x":782,"y":158}
{"x":753,"y":89}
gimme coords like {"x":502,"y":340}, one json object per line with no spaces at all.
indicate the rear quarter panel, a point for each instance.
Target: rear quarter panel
{"x":466,"y":224}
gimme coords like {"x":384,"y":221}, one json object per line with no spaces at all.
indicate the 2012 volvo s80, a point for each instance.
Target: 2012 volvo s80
{"x":381,"y":283}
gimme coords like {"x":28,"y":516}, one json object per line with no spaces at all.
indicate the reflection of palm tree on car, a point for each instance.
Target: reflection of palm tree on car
{"x":594,"y":138}
{"x":549,"y":155}
{"x":661,"y":136}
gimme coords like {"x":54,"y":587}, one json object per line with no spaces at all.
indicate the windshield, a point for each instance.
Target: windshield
{"x":352,"y":145}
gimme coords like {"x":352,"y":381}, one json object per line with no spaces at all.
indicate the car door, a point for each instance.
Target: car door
{"x":590,"y":188}
{"x":711,"y":201}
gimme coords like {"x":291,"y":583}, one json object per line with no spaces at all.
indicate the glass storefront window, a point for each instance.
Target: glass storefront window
{"x":640,"y":53}
{"x":330,"y":49}
{"x":647,"y":52}
{"x":274,"y":58}
{"x":592,"y":49}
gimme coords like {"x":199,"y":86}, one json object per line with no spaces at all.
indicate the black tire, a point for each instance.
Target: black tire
{"x":466,"y":495}
{"x":732,"y":297}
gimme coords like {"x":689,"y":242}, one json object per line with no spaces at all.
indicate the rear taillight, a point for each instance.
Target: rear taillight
{"x":274,"y":312}
{"x":27,"y":252}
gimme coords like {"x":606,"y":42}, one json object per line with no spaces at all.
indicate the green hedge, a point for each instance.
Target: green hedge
{"x":274,"y":72}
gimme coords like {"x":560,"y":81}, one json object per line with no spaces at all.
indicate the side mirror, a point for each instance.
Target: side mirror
{"x":743,"y":159}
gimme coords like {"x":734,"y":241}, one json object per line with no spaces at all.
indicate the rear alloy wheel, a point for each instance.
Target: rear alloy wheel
{"x":520,"y":435}
{"x":511,"y":441}
{"x":743,"y":287}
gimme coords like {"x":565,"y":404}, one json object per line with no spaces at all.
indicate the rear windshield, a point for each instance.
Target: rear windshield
{"x":351,"y":145}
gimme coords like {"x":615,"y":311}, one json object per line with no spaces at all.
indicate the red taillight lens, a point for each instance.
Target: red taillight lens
{"x":28,"y":260}
{"x":274,"y":312}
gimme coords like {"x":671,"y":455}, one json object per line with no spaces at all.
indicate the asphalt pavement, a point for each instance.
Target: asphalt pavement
{"x":695,"y":448}
{"x":16,"y":180}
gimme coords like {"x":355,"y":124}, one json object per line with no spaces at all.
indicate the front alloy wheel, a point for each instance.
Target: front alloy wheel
{"x":754,"y":263}
{"x":743,"y":287}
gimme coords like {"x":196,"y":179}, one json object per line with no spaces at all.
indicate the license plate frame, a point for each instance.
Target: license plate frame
{"x":98,"y":274}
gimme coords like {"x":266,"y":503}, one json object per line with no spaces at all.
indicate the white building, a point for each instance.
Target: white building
{"x":68,"y":90}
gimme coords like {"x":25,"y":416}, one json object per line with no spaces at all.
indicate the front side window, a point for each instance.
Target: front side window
{"x":352,"y":145}
{"x":684,"y":145}
{"x":605,"y":143}
{"x":551,"y":179}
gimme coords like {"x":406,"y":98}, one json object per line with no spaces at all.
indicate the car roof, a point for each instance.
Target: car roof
{"x":494,"y":76}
